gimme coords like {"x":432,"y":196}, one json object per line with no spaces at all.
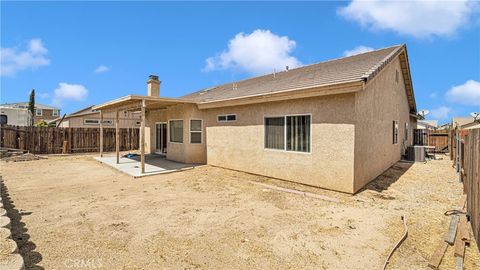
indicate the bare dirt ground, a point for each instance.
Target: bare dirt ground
{"x":75,"y":213}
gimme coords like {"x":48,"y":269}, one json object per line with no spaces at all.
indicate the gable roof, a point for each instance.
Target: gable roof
{"x":357,"y":68}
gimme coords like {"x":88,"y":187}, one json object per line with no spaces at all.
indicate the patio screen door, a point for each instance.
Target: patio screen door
{"x":161,"y":138}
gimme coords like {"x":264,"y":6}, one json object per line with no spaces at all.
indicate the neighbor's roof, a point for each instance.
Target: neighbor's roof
{"x":25,"y":104}
{"x":360,"y":67}
{"x":432,"y":123}
{"x":460,"y":121}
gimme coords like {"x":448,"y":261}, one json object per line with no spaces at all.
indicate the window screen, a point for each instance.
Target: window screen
{"x":195,"y":131}
{"x":176,"y":131}
{"x":298,"y":133}
{"x":275,"y":133}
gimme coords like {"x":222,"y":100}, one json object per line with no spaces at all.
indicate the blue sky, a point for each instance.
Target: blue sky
{"x":79,"y":54}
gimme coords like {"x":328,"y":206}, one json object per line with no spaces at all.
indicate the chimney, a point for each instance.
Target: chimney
{"x":153,"y":86}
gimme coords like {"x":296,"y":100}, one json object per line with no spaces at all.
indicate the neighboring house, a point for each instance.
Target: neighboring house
{"x":42,"y":112}
{"x":427,"y":124}
{"x":88,"y":117}
{"x":467,"y":122}
{"x":336,"y":124}
{"x":14,"y":116}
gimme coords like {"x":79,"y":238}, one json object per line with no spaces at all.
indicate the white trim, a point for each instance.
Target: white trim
{"x":285,"y":133}
{"x":55,"y":112}
{"x":168,"y":132}
{"x":190,"y":130}
{"x":38,"y":110}
{"x":226,"y":116}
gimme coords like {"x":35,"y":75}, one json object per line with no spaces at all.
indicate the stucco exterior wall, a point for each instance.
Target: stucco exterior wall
{"x":376,"y":107}
{"x":239,"y":145}
{"x":185,"y":152}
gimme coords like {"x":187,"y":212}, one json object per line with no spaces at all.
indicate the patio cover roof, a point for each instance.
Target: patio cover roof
{"x":134,"y":102}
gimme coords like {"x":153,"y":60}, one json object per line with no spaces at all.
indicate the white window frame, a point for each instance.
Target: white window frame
{"x":38,"y":110}
{"x":226,"y":116}
{"x":285,"y":133}
{"x":190,"y":130}
{"x":55,"y":112}
{"x":168,"y":133}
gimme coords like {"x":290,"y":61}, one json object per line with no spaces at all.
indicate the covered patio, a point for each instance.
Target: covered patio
{"x":143,"y":164}
{"x":154,"y":164}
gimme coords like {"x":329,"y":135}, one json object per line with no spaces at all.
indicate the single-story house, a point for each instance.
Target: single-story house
{"x":88,"y":117}
{"x":337,"y":124}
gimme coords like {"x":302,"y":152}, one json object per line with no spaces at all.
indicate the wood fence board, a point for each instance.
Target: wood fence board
{"x":49,"y":140}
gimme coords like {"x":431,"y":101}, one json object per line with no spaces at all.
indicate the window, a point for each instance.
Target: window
{"x":91,"y":121}
{"x":275,"y":133}
{"x":227,"y":118}
{"x":38,"y":112}
{"x":395,"y":132}
{"x":298,"y":133}
{"x":195,"y":131}
{"x":406,"y":132}
{"x":3,"y":119}
{"x":290,"y":133}
{"x":176,"y":131}
{"x":55,"y":112}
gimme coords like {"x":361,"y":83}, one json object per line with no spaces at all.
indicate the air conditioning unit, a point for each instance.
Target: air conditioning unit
{"x":416,"y":153}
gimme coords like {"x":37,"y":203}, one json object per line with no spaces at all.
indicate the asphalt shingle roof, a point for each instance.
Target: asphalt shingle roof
{"x":347,"y":69}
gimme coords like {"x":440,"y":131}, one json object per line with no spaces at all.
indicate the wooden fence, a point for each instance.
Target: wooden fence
{"x":437,"y":138}
{"x":466,"y":157}
{"x":50,"y":140}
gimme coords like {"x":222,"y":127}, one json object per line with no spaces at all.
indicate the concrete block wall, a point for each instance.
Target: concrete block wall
{"x":10,"y":259}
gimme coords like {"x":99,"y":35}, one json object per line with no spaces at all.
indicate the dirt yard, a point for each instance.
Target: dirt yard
{"x":75,"y":213}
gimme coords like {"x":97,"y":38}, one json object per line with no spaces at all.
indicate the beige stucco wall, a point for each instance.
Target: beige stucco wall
{"x":185,"y":152}
{"x":239,"y":145}
{"x":376,"y":107}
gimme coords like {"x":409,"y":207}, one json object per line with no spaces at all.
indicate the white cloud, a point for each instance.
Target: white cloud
{"x":66,"y":91}
{"x":432,"y":95}
{"x":44,"y":95}
{"x":415,"y":18}
{"x":466,"y":94}
{"x":357,"y":50}
{"x":13,"y":61}
{"x":257,"y":53}
{"x":440,"y":113}
{"x":101,"y":69}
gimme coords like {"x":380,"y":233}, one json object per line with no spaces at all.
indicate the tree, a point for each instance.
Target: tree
{"x":31,"y":106}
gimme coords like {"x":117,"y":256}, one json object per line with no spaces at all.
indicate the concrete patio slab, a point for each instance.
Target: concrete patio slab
{"x":154,"y":164}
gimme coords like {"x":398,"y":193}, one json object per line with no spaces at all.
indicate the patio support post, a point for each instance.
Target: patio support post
{"x":101,"y":133}
{"x":117,"y":137}
{"x":142,"y":138}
